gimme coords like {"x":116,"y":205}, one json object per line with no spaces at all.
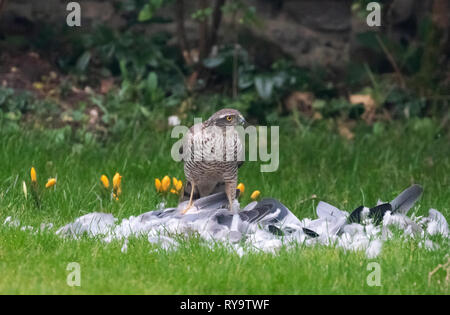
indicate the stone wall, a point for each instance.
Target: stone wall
{"x":308,"y":31}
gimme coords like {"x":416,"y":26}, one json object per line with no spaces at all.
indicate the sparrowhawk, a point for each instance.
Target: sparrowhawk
{"x":212,"y":152}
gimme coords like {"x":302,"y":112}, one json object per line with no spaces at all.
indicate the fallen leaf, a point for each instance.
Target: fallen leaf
{"x":33,"y":54}
{"x":364,"y":99}
{"x":88,"y":89}
{"x":93,"y":117}
{"x":192,"y":81}
{"x":317,"y":116}
{"x":75,"y":90}
{"x":301,"y":101}
{"x":195,"y":55}
{"x":369,"y":106}
{"x":106,"y":85}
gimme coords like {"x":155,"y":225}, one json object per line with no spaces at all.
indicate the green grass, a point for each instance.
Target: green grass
{"x":312,"y":162}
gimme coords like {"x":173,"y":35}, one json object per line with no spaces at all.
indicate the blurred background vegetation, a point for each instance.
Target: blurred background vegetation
{"x":134,"y":63}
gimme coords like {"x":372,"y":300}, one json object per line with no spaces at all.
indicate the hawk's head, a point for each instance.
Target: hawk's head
{"x":226,"y":117}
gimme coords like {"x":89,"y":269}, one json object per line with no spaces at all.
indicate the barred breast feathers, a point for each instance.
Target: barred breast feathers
{"x":212,"y":144}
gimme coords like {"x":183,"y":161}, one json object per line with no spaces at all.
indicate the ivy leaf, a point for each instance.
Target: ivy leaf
{"x":152,"y":81}
{"x":213,"y":62}
{"x":145,"y":14}
{"x":83,"y":61}
{"x":264,"y":87}
{"x":149,"y":10}
{"x":245,"y":81}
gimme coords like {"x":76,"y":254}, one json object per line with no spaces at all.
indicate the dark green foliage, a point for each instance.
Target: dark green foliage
{"x":151,"y":77}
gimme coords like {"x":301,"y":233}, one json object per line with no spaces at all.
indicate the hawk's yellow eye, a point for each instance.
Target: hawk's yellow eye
{"x":229,"y":118}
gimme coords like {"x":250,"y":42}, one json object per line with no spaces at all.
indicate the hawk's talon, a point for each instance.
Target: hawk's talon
{"x":186,"y":209}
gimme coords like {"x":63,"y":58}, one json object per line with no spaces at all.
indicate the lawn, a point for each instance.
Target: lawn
{"x":378,"y":163}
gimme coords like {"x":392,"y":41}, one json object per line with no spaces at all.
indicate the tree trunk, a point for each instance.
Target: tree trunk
{"x":215,"y":24}
{"x":203,"y":33}
{"x":181,"y":32}
{"x":2,"y":6}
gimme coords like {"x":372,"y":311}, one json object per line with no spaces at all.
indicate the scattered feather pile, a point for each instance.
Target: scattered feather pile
{"x":268,"y":225}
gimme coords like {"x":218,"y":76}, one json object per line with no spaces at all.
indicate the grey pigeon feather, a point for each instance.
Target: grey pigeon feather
{"x":325,"y":210}
{"x":439,"y":221}
{"x":215,"y":201}
{"x":403,"y":202}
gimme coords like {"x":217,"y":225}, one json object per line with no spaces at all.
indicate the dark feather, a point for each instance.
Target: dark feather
{"x":264,"y":207}
{"x":377,"y":213}
{"x":355,"y":216}
{"x":310,"y":233}
{"x":276,"y":231}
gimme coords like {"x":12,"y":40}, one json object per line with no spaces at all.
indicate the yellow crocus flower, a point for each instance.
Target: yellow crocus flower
{"x":165,"y":183}
{"x":116,"y":181}
{"x":174,"y":181}
{"x":33,"y":175}
{"x":173,"y":191}
{"x":241,"y":187}
{"x":50,"y":183}
{"x":255,"y":194}
{"x":157,"y":184}
{"x":117,"y":190}
{"x":179,"y":185}
{"x":105,"y":181}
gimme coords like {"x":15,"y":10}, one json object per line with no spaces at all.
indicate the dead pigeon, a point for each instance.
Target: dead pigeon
{"x":266,"y":225}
